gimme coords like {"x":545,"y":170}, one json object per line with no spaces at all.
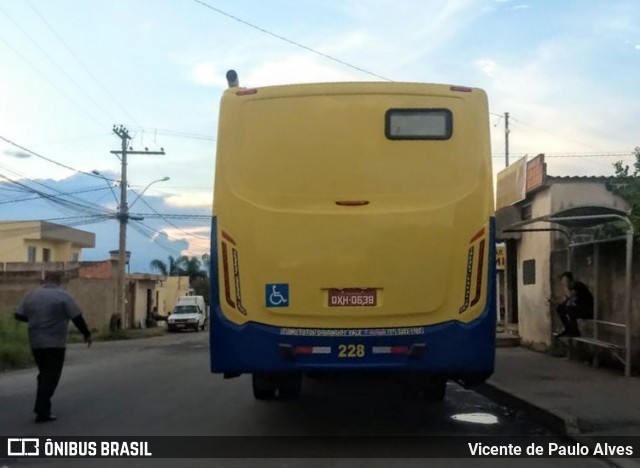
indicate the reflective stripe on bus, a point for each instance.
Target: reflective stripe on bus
{"x":313,"y":349}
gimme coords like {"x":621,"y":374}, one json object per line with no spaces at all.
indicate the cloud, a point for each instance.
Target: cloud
{"x":190,"y":200}
{"x":287,"y":69}
{"x":519,"y":7}
{"x":353,"y":41}
{"x":637,"y":47}
{"x":526,"y":85}
{"x":371,"y":41}
{"x":208,"y":74}
{"x":488,"y":67}
{"x":297,"y":69}
{"x":17,"y":154}
{"x":197,"y":238}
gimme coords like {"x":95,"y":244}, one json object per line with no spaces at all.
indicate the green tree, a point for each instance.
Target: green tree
{"x":181,"y":266}
{"x":191,"y":267}
{"x":169,"y":268}
{"x":626,"y":183}
{"x":201,"y":288}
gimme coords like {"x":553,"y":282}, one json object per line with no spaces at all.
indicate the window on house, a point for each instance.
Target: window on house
{"x":525,"y":212}
{"x":75,"y":257}
{"x":529,"y":271}
{"x":31,"y":254}
{"x":46,"y":255}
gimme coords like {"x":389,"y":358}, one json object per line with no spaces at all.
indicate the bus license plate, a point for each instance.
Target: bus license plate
{"x":352,"y":297}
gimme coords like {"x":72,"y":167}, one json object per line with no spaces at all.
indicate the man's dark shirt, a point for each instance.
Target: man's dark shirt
{"x":584,"y":298}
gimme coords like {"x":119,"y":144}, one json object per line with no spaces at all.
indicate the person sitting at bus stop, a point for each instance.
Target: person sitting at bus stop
{"x":578,"y":304}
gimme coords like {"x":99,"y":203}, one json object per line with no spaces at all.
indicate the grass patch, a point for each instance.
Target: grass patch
{"x":76,"y":337}
{"x":15,"y":352}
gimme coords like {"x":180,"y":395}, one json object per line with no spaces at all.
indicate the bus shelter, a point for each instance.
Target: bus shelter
{"x":572,"y":220}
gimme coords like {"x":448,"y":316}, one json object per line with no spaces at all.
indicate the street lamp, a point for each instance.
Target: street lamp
{"x":164,"y":179}
{"x":108,"y":181}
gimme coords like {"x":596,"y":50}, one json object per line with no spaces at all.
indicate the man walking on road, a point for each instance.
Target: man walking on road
{"x":48,"y":310}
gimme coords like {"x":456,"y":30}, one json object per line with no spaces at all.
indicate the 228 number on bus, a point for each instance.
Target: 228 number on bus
{"x":350,"y":351}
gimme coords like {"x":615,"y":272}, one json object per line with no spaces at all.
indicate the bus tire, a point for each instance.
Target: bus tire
{"x":290,"y":387}
{"x":434,"y":390}
{"x":263,"y":388}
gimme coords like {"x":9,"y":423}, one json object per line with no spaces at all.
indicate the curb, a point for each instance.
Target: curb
{"x":556,"y":420}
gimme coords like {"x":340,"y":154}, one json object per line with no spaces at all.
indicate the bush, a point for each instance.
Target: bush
{"x":14,"y":344}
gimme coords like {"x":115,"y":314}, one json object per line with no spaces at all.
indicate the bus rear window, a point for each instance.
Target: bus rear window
{"x":418,"y":124}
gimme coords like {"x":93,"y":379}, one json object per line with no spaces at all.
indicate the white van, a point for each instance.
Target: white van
{"x":190,"y":312}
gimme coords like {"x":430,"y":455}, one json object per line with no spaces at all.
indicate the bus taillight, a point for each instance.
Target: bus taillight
{"x":352,"y":202}
{"x":244,"y":92}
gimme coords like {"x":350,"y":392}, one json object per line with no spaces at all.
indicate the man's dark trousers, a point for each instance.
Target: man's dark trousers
{"x":50,"y":362}
{"x":569,"y":315}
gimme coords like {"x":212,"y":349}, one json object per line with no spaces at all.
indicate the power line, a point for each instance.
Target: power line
{"x":72,"y":140}
{"x":17,"y":200}
{"x":76,"y":217}
{"x":73,"y":54}
{"x":199,"y":187}
{"x":43,"y":76}
{"x":23,"y":148}
{"x":553,"y":134}
{"x":173,"y":216}
{"x":140,"y":228}
{"x":169,"y":222}
{"x":297,"y":44}
{"x":178,"y":133}
{"x":161,"y":233}
{"x":44,"y":52}
{"x":56,"y":198}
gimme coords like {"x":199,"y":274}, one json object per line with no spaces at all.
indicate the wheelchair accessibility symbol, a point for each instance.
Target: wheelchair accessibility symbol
{"x":277,"y":295}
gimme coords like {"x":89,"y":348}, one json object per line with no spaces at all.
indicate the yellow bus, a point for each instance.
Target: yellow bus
{"x":353,"y":231}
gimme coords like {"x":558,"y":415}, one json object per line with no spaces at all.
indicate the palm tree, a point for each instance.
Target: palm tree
{"x":181,"y":266}
{"x":170,"y":268}
{"x":191,"y":267}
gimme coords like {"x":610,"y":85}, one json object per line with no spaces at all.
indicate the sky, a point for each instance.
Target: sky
{"x":567,"y":72}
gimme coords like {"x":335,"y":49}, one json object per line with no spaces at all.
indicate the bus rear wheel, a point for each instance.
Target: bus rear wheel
{"x":263,"y":387}
{"x":433,"y":389}
{"x":290,"y":387}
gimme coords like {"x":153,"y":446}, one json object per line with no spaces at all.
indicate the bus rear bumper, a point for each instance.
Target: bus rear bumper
{"x":459,"y":351}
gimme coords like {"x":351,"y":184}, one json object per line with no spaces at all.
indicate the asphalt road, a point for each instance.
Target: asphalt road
{"x":162,"y":387}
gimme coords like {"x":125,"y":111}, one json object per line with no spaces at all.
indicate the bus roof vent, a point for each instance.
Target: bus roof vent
{"x":232,"y":79}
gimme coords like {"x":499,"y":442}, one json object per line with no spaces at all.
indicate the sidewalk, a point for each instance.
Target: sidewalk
{"x":569,"y":396}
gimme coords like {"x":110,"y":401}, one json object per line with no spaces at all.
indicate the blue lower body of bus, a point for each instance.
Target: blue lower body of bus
{"x":455,"y":350}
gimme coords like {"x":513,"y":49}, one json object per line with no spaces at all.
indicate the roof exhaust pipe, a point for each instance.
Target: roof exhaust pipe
{"x":232,"y":79}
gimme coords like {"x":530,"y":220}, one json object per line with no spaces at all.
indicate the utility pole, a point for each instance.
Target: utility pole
{"x":506,"y":139}
{"x":123,"y":218}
